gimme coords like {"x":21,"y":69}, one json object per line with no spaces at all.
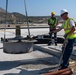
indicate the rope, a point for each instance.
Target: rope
{"x":27,"y":18}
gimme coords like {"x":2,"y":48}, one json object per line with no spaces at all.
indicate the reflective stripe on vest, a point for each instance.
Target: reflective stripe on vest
{"x":56,"y":22}
{"x":67,"y":29}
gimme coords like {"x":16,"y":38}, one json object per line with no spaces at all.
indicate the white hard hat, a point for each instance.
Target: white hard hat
{"x":63,"y":11}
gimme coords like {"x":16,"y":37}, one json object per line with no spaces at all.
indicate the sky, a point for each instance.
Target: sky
{"x":41,"y":7}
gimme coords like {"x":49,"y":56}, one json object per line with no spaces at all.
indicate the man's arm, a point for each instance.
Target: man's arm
{"x":72,"y":24}
{"x":56,"y":22}
{"x":72,"y":30}
{"x":49,"y":22}
{"x":57,"y":30}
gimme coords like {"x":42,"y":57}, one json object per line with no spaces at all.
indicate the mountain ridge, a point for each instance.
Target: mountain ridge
{"x":2,"y":10}
{"x":16,"y":17}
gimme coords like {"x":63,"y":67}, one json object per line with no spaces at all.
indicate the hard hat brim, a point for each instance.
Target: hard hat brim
{"x":64,"y":13}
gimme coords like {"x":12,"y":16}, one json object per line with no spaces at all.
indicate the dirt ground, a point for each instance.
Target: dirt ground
{"x":22,"y":25}
{"x":73,"y":66}
{"x":11,"y":25}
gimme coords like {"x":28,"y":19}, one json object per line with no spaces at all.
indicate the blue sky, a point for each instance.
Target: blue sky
{"x":41,"y":7}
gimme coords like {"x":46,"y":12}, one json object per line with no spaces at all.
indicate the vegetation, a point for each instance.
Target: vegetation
{"x":16,"y":17}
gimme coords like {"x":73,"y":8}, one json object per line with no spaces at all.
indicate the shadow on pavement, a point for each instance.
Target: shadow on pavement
{"x":32,"y":72}
{"x":8,"y":65}
{"x":11,"y":74}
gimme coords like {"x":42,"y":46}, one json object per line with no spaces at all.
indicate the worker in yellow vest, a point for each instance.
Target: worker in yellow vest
{"x":70,"y":35}
{"x":52,"y":22}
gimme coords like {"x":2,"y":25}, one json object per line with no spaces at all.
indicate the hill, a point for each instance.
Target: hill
{"x":16,"y":17}
{"x":2,"y":10}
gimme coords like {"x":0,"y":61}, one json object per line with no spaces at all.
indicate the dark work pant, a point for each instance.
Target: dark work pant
{"x":55,"y":37}
{"x":67,"y":52}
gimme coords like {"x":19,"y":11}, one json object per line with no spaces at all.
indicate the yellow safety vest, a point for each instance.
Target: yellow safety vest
{"x":67,"y":28}
{"x":53,"y":22}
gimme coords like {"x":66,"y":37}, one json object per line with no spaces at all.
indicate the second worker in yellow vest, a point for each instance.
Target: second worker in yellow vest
{"x":52,"y":22}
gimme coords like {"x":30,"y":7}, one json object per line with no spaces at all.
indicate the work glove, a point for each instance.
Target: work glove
{"x":54,"y":27}
{"x":65,"y":36}
{"x":50,"y":32}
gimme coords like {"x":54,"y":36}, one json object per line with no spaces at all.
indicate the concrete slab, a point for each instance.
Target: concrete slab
{"x":33,"y":63}
{"x":54,"y":50}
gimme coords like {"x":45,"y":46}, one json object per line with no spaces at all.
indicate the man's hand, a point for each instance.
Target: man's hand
{"x":50,"y":32}
{"x":54,"y":31}
{"x":65,"y":36}
{"x":54,"y":27}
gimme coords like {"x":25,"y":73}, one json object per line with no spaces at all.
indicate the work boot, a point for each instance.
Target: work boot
{"x":62,"y":68}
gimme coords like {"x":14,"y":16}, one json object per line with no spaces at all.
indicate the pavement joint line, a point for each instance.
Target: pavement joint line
{"x":59,"y":50}
{"x":46,"y":51}
{"x":52,"y":52}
